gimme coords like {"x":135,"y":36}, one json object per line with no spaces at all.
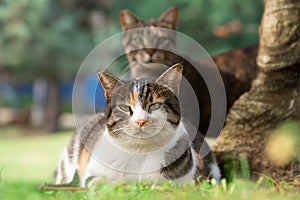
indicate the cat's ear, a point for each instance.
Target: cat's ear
{"x":127,"y":18}
{"x":170,"y":17}
{"x":172,"y":78}
{"x":108,"y":83}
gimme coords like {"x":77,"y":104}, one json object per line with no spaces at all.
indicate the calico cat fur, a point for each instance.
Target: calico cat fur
{"x":150,"y":141}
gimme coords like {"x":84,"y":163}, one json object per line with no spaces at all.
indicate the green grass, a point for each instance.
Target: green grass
{"x":27,"y":161}
{"x":239,"y":189}
{"x":30,"y":158}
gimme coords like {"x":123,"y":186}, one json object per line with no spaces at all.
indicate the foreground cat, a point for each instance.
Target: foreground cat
{"x":141,"y":137}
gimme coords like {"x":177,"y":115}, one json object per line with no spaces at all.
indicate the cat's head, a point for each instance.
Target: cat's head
{"x":142,"y":115}
{"x":149,"y":41}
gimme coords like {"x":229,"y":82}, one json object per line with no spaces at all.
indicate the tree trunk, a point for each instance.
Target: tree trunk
{"x":273,"y":97}
{"x":52,"y":106}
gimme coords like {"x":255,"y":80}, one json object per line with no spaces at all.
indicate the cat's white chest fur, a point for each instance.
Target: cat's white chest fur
{"x":107,"y":171}
{"x":110,"y":162}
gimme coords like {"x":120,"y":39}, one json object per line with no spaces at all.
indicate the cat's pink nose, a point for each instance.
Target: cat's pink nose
{"x":141,"y":122}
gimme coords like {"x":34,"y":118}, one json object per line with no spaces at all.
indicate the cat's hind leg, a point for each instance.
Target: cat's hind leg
{"x":210,"y":162}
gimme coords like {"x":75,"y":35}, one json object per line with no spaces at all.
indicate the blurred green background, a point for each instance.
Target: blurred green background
{"x":43,"y":42}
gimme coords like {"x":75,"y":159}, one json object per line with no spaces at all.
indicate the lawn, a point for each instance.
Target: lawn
{"x":29,"y":159}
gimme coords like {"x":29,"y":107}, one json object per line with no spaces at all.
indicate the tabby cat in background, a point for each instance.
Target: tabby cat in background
{"x":140,"y":137}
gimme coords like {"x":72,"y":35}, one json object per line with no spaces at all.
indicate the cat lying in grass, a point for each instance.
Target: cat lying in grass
{"x":140,"y":137}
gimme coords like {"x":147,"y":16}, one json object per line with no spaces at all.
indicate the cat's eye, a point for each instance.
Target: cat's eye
{"x":155,"y":106}
{"x":162,"y":40}
{"x":125,"y":108}
{"x":138,"y":40}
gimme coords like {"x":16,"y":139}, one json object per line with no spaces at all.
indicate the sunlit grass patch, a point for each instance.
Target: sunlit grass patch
{"x":238,"y":189}
{"x":30,"y":158}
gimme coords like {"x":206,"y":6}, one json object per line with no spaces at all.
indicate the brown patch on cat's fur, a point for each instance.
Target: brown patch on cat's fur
{"x":83,"y":161}
{"x":132,"y":99}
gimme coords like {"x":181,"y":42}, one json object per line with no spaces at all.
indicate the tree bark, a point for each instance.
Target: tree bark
{"x":273,"y":97}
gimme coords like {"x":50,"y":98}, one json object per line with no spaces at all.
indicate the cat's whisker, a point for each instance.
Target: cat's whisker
{"x":117,"y":130}
{"x":131,"y":128}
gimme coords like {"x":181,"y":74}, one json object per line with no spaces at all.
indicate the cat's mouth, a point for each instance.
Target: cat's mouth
{"x":149,"y":60}
{"x":152,"y":59}
{"x":142,"y":133}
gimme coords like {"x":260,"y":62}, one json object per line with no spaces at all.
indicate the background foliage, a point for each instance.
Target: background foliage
{"x":48,"y":39}
{"x":51,"y":37}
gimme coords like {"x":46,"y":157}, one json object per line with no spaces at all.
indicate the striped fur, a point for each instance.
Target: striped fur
{"x":151,"y":44}
{"x":141,"y":136}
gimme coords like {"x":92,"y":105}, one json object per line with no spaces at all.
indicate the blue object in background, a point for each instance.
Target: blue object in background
{"x":24,"y":88}
{"x":94,"y":99}
{"x":98,"y":99}
{"x":65,"y":91}
{"x":8,"y":94}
